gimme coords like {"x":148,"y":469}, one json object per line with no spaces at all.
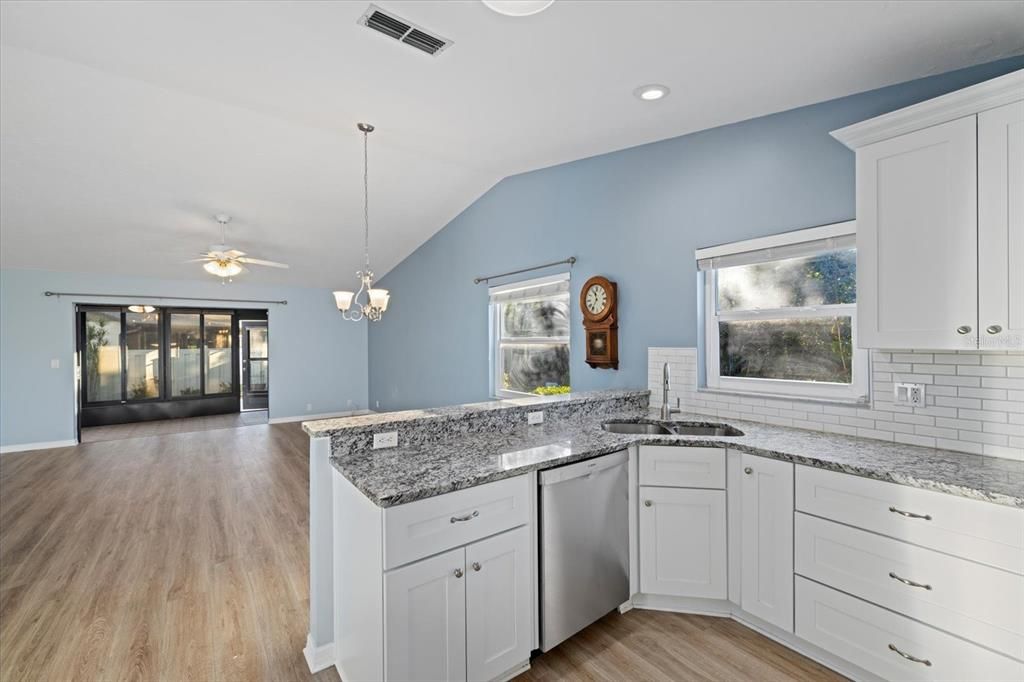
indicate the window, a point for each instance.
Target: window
{"x":142,"y":355}
{"x":217,"y":356}
{"x":530,"y":337}
{"x":102,"y":340}
{"x":781,"y":315}
{"x":185,"y":354}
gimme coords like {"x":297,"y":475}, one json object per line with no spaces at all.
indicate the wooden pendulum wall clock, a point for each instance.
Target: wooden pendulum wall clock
{"x":598,"y":302}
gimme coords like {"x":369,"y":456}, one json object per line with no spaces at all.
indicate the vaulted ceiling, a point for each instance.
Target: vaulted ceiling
{"x":124,"y":126}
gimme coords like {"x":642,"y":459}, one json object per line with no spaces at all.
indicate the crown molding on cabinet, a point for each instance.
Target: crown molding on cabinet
{"x":971,"y":100}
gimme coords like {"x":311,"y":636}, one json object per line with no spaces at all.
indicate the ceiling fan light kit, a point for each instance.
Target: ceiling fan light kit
{"x":225,"y":262}
{"x":348,"y":302}
{"x":518,"y":8}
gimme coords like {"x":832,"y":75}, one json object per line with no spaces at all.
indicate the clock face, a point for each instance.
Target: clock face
{"x":597,"y":299}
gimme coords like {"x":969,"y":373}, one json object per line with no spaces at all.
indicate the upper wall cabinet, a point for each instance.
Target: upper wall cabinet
{"x":940,"y":221}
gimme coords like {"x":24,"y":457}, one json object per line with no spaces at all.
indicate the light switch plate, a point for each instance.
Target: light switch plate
{"x":534,"y":418}
{"x":388,"y":439}
{"x":908,"y":394}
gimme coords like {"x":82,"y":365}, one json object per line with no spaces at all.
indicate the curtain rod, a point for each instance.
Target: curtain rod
{"x":176,"y":298}
{"x":570,"y":260}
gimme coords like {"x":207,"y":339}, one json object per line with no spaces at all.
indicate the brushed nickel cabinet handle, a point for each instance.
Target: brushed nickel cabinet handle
{"x":963,"y":329}
{"x":993,"y":329}
{"x":910,"y":515}
{"x":458,"y":572}
{"x":892,"y":574}
{"x":748,"y":470}
{"x":465,"y":517}
{"x":647,"y":503}
{"x":915,"y":659}
{"x":476,"y":566}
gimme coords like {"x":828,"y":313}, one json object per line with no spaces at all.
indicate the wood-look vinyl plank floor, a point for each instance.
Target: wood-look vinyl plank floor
{"x":184,"y":557}
{"x":159,"y":427}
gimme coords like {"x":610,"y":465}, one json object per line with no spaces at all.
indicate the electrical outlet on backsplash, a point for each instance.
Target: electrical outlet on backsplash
{"x":974,"y":401}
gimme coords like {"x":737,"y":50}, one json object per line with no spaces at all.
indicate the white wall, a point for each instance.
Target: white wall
{"x":317,"y":359}
{"x":974,"y":400}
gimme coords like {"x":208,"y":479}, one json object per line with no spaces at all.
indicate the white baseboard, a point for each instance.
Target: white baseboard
{"x":318,"y":657}
{"x":314,"y":417}
{"x":37,"y":446}
{"x":727,"y":609}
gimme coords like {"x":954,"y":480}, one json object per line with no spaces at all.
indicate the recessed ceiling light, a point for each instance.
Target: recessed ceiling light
{"x":651,"y":92}
{"x":518,"y":8}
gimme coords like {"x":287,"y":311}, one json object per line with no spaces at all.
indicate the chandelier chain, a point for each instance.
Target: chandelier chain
{"x":366,"y":199}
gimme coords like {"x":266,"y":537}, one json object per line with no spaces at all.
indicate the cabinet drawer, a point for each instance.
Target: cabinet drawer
{"x":682,"y":467}
{"x":977,"y":602}
{"x":872,"y":637}
{"x":980,"y":531}
{"x":425,"y":527}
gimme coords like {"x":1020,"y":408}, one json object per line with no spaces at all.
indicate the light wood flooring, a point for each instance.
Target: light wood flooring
{"x":185,"y":557}
{"x":160,"y":427}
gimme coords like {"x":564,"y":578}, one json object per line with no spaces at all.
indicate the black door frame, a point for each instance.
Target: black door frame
{"x":260,"y":400}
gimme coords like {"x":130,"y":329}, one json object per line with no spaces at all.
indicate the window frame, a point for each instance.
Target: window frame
{"x":857,"y":391}
{"x":497,"y":341}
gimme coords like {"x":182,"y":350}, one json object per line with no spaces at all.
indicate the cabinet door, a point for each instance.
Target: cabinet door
{"x":768,"y":540}
{"x":683,"y":542}
{"x":1001,"y":227}
{"x":499,"y":604}
{"x":425,"y":619}
{"x":917,"y":239}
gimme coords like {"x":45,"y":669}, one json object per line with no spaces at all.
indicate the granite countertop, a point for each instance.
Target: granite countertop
{"x":399,"y":475}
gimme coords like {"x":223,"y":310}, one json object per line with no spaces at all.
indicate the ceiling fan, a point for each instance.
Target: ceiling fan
{"x":224,"y":261}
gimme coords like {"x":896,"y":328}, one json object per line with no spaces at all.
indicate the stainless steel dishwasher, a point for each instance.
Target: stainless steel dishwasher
{"x":584,"y":545}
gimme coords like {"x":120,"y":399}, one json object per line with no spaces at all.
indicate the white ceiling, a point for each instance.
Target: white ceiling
{"x":124,"y":126}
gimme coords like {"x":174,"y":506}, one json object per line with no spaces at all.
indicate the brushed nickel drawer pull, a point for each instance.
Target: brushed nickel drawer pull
{"x":910,"y":515}
{"x":892,"y":574}
{"x":465,"y":517}
{"x":993,"y":329}
{"x":963,"y":329}
{"x":458,"y":572}
{"x":477,"y":566}
{"x":915,"y":659}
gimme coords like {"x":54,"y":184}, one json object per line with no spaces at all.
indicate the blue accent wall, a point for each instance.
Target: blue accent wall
{"x":635,"y":216}
{"x":315,"y":357}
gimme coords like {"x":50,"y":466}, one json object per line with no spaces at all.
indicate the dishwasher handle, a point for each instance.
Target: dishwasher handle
{"x":584,"y":468}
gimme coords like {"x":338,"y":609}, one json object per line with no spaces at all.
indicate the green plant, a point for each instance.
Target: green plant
{"x":552,"y":390}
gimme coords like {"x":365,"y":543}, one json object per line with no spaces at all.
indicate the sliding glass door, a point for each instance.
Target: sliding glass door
{"x":153,"y":354}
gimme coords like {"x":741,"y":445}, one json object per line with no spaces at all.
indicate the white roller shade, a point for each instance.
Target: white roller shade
{"x":778,"y":247}
{"x":541,"y":287}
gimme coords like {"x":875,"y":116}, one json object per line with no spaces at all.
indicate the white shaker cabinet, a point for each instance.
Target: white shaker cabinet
{"x":499,"y":604}
{"x":767,"y":544}
{"x":683,"y":542}
{"x":917,"y":277}
{"x":425,"y":617}
{"x":940,"y":221}
{"x":1001,"y":227}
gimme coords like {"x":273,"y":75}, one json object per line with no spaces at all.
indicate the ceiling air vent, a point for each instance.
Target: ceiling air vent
{"x":402,"y":30}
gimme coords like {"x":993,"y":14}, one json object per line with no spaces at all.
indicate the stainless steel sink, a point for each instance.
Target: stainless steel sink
{"x":670,"y":429}
{"x":693,"y":430}
{"x":633,"y":427}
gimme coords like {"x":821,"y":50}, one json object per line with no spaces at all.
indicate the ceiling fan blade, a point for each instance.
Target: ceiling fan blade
{"x":258,"y":261}
{"x":199,"y":260}
{"x":233,"y":253}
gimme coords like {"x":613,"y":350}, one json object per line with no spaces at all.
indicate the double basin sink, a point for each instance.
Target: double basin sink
{"x":670,"y":429}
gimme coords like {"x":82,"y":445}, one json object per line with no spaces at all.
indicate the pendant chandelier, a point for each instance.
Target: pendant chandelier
{"x":350,"y":305}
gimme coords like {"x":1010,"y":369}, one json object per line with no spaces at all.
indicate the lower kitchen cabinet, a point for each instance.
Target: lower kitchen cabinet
{"x":425,"y":619}
{"x":462,"y":615}
{"x":499,"y":604}
{"x":767,"y":544}
{"x":683,"y":542}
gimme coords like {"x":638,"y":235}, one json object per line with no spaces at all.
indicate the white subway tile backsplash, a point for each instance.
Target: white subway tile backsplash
{"x":975,"y":401}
